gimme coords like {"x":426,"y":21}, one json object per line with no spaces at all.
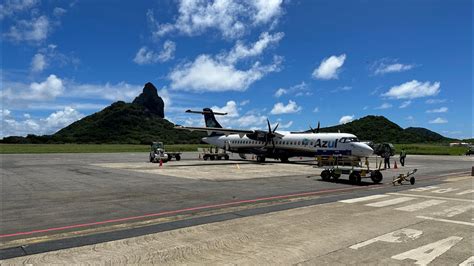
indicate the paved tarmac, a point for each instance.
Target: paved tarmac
{"x":56,"y":197}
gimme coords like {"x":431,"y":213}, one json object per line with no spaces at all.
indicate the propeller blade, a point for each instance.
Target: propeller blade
{"x":275,"y":128}
{"x":317,"y":129}
{"x":312,"y":129}
{"x":269,"y":127}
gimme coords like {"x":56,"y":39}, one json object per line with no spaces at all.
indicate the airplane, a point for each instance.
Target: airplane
{"x":272,"y":144}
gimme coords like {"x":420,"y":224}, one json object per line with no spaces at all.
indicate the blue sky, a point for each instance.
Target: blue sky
{"x":294,"y":62}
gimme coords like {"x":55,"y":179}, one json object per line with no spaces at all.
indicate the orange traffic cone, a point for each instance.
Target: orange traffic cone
{"x":161,"y":163}
{"x":395,"y":165}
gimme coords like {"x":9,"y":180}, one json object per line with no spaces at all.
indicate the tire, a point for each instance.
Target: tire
{"x":212,"y":157}
{"x":412,"y":180}
{"x":151,"y":159}
{"x":226,"y":157}
{"x":218,"y":157}
{"x":355,"y":178}
{"x":169,"y":157}
{"x":178,"y":157}
{"x":205,"y":157}
{"x":326,"y":175}
{"x":261,"y":159}
{"x":376,"y":177}
{"x":284,"y":159}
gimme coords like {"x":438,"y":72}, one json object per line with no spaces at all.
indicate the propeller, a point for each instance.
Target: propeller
{"x":271,"y":134}
{"x":315,"y":130}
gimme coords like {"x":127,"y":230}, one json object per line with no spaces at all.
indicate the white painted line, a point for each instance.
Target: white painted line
{"x":427,"y":253}
{"x":458,"y":173}
{"x":468,"y":262}
{"x":430,"y":197}
{"x":445,"y":220}
{"x":453,"y":211}
{"x":469,"y":191}
{"x":421,"y":205}
{"x":423,"y":188}
{"x":444,"y":190}
{"x":389,"y":202}
{"x":400,"y":236}
{"x":363,"y":199}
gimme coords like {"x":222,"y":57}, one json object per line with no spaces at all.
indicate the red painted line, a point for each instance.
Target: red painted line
{"x":178,"y":211}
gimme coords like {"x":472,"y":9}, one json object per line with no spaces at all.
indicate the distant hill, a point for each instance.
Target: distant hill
{"x":380,"y":129}
{"x":142,"y":121}
{"x":139,"y":122}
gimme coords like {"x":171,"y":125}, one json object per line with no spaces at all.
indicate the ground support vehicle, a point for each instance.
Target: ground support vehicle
{"x":410,"y":176}
{"x":158,"y":153}
{"x":213,"y":153}
{"x":356,"y":172}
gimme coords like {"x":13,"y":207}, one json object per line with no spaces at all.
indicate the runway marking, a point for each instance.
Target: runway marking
{"x":453,"y":211}
{"x":423,"y":188}
{"x":458,"y":173}
{"x":354,"y":200}
{"x":398,"y":236}
{"x":444,"y":190}
{"x":421,"y":205}
{"x":389,"y":202}
{"x":466,"y":192}
{"x":445,"y":220}
{"x":62,"y":228}
{"x":427,"y":253}
{"x":430,"y":197}
{"x":468,"y":262}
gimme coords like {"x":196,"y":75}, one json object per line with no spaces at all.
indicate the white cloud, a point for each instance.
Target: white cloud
{"x":435,"y":101}
{"x":280,"y":92}
{"x":240,"y":51}
{"x":121,"y":91}
{"x":386,"y":65}
{"x":438,"y":110}
{"x":51,"y":88}
{"x":10,"y":7}
{"x":38,"y":63}
{"x":167,"y":53}
{"x":209,"y":74}
{"x":405,"y":104}
{"x":329,"y":67}
{"x":438,"y":120}
{"x":244,"y":102}
{"x":34,"y":30}
{"x":343,"y":88}
{"x":316,"y":110}
{"x":230,"y":108}
{"x":62,"y":118}
{"x":48,"y":125}
{"x":59,"y":11}
{"x":346,"y":119}
{"x":300,"y":89}
{"x":413,"y":89}
{"x":281,"y":108}
{"x":146,"y":56}
{"x":384,"y":106}
{"x":231,"y":18}
{"x":251,"y":120}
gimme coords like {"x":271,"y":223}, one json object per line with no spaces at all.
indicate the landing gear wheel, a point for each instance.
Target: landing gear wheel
{"x":355,"y":178}
{"x":178,"y":157}
{"x":326,"y":175}
{"x":261,"y":159}
{"x":412,"y":180}
{"x":212,"y":158}
{"x":219,"y":157}
{"x":376,"y":177}
{"x":205,"y":157}
{"x":226,"y":157}
{"x":284,"y":159}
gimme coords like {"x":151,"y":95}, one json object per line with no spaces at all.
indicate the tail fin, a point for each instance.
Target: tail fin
{"x":210,"y":119}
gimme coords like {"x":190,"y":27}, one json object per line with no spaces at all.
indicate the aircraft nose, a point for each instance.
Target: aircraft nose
{"x":363,"y":150}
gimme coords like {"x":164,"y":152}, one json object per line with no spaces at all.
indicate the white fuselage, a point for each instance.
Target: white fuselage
{"x":305,"y":144}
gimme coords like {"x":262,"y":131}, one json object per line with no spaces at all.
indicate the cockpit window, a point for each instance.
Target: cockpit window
{"x":348,"y":140}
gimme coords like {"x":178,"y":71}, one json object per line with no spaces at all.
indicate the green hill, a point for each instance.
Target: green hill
{"x":380,"y":129}
{"x":139,"y":122}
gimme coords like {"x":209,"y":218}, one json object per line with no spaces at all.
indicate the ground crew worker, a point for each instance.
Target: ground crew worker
{"x":403,"y":155}
{"x":386,"y":157}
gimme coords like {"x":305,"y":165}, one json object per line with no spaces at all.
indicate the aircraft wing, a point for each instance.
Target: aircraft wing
{"x":225,"y":131}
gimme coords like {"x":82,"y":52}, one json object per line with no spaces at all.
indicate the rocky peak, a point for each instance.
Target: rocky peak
{"x":150,"y":100}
